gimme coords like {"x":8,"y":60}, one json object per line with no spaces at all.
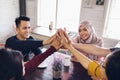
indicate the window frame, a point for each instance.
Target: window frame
{"x":56,"y":20}
{"x":107,"y":33}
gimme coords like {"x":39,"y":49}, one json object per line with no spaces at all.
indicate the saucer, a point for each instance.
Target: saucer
{"x":43,"y":65}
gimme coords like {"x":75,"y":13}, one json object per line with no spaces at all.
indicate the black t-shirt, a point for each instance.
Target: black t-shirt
{"x":25,"y":46}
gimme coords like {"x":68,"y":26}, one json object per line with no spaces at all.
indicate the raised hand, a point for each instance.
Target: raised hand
{"x":56,"y":42}
{"x":64,"y":38}
{"x":50,"y":40}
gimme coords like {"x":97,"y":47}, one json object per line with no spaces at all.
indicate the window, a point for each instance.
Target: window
{"x":63,"y":13}
{"x":113,"y":20}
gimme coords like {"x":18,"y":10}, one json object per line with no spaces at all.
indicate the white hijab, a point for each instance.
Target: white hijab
{"x":93,"y":39}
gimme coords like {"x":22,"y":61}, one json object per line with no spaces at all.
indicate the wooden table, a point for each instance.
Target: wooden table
{"x":76,"y":71}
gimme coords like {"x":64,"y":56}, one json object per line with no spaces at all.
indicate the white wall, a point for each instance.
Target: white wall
{"x":9,"y":9}
{"x":96,"y":15}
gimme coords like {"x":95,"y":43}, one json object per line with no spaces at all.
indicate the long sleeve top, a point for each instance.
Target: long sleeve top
{"x":25,"y":46}
{"x":94,"y":69}
{"x":33,"y":63}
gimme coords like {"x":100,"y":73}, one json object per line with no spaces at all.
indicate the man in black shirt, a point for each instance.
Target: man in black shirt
{"x":22,"y":41}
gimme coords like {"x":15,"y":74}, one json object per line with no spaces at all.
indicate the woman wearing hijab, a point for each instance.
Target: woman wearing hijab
{"x":87,"y":35}
{"x":107,"y":70}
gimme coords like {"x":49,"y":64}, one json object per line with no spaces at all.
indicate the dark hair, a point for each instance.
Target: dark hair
{"x":10,"y":64}
{"x":18,"y":20}
{"x":113,"y":66}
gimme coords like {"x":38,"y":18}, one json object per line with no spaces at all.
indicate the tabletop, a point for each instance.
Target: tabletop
{"x":75,"y":72}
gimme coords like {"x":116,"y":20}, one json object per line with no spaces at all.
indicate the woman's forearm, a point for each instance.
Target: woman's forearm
{"x":92,"y":49}
{"x":80,"y":57}
{"x":93,"y":67}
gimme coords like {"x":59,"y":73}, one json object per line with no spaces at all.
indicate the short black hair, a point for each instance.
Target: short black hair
{"x":11,"y":64}
{"x":113,"y":66}
{"x":18,"y":20}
